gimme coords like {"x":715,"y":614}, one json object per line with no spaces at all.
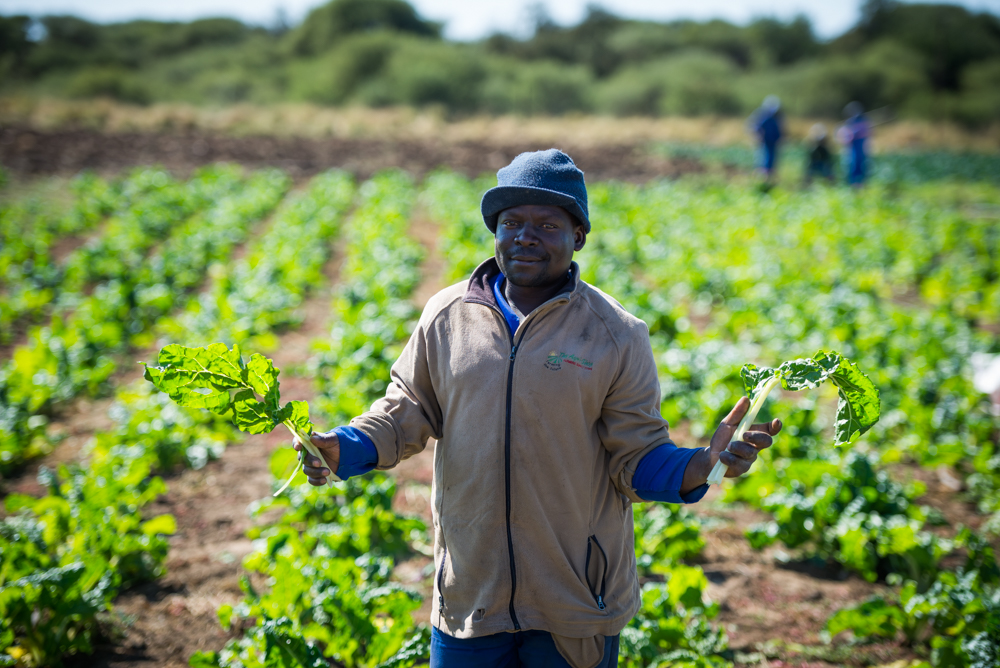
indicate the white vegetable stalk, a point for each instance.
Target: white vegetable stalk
{"x":719,"y":470}
{"x":312,"y":450}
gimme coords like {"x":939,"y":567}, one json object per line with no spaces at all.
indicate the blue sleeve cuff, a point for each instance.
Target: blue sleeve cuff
{"x":357,"y":453}
{"x":660,"y":475}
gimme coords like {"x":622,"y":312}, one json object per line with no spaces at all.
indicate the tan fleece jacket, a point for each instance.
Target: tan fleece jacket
{"x":538,"y":440}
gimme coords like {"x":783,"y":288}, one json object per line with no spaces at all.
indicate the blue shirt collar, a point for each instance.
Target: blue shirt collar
{"x":508,"y":313}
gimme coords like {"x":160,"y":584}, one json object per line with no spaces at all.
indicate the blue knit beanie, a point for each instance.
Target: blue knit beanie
{"x":542,"y":177}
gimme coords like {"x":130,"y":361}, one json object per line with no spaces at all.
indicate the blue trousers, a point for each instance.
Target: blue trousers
{"x":524,"y":649}
{"x":769,"y":157}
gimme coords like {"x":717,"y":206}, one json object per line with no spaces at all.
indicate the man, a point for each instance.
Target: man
{"x":819,"y":158}
{"x":543,"y":395}
{"x":854,"y":134}
{"x":766,"y":124}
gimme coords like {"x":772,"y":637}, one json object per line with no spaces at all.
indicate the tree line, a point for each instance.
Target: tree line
{"x":933,"y":61}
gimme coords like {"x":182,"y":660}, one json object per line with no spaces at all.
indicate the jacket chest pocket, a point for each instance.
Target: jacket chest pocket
{"x":574,"y":380}
{"x":596,"y":571}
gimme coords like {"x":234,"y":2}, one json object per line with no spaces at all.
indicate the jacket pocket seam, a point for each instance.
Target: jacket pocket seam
{"x":440,"y":576}
{"x":598,"y":596}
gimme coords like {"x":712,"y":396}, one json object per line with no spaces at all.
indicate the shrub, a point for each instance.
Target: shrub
{"x":537,"y":87}
{"x":688,"y":83}
{"x":109,"y":82}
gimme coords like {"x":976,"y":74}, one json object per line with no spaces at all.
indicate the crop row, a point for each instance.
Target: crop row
{"x":52,"y":599}
{"x":334,"y":554}
{"x":30,"y":276}
{"x":247,"y":300}
{"x":65,"y":556}
{"x":80,"y":349}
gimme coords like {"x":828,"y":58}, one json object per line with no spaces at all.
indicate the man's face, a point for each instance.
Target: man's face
{"x":535,"y":244}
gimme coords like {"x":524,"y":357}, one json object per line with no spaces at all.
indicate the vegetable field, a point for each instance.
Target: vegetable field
{"x":138,"y":532}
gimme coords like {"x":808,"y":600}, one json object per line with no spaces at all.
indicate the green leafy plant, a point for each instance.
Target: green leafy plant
{"x":333,"y":555}
{"x":858,"y":398}
{"x":858,"y":517}
{"x":956,"y":620}
{"x":673,"y":625}
{"x":217,"y":379}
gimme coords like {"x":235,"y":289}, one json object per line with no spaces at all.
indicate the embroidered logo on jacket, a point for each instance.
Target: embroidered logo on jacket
{"x":556,"y":360}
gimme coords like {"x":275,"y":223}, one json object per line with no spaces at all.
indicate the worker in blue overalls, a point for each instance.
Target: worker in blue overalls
{"x":854,"y":135}
{"x":766,"y":123}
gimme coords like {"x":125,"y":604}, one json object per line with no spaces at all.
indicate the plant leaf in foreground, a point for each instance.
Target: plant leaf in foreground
{"x":216,"y":378}
{"x":857,"y":406}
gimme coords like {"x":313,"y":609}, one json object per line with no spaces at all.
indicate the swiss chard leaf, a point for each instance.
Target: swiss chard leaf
{"x":807,"y":374}
{"x":216,"y":378}
{"x":858,"y":404}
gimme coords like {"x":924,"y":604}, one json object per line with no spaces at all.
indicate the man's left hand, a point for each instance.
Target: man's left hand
{"x":740,"y":454}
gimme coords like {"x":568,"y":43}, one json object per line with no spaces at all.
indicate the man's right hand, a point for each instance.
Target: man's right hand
{"x":329,"y":445}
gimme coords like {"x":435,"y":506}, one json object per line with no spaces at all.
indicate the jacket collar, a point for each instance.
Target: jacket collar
{"x":480,"y":289}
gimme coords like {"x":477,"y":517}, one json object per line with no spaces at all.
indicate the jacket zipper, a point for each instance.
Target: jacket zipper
{"x":506,"y":450}
{"x":444,"y":560}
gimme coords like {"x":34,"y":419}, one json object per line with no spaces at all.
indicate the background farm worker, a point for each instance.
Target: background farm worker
{"x":854,"y":134}
{"x":819,"y":159}
{"x":766,"y":123}
{"x":542,"y":394}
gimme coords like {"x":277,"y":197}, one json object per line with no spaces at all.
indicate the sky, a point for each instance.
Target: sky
{"x":472,"y":19}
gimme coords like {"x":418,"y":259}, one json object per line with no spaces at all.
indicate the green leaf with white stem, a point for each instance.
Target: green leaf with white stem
{"x":807,"y":374}
{"x":251,"y":415}
{"x":216,"y":378}
{"x":857,"y":405}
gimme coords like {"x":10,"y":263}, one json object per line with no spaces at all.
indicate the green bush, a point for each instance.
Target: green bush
{"x":327,"y":25}
{"x":538,"y":87}
{"x":422,"y":72}
{"x":980,"y":100}
{"x":886,"y":73}
{"x":688,"y":83}
{"x":335,"y":76}
{"x":110,"y":82}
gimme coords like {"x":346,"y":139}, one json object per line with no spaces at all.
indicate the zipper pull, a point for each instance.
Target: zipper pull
{"x":600,"y":603}
{"x":513,"y":352}
{"x":441,"y":604}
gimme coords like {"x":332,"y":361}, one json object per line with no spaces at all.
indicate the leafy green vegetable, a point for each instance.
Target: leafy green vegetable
{"x":217,"y":379}
{"x":957,"y":617}
{"x":859,"y":517}
{"x":857,"y":405}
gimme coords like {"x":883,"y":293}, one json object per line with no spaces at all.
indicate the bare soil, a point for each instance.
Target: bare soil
{"x":28,"y":152}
